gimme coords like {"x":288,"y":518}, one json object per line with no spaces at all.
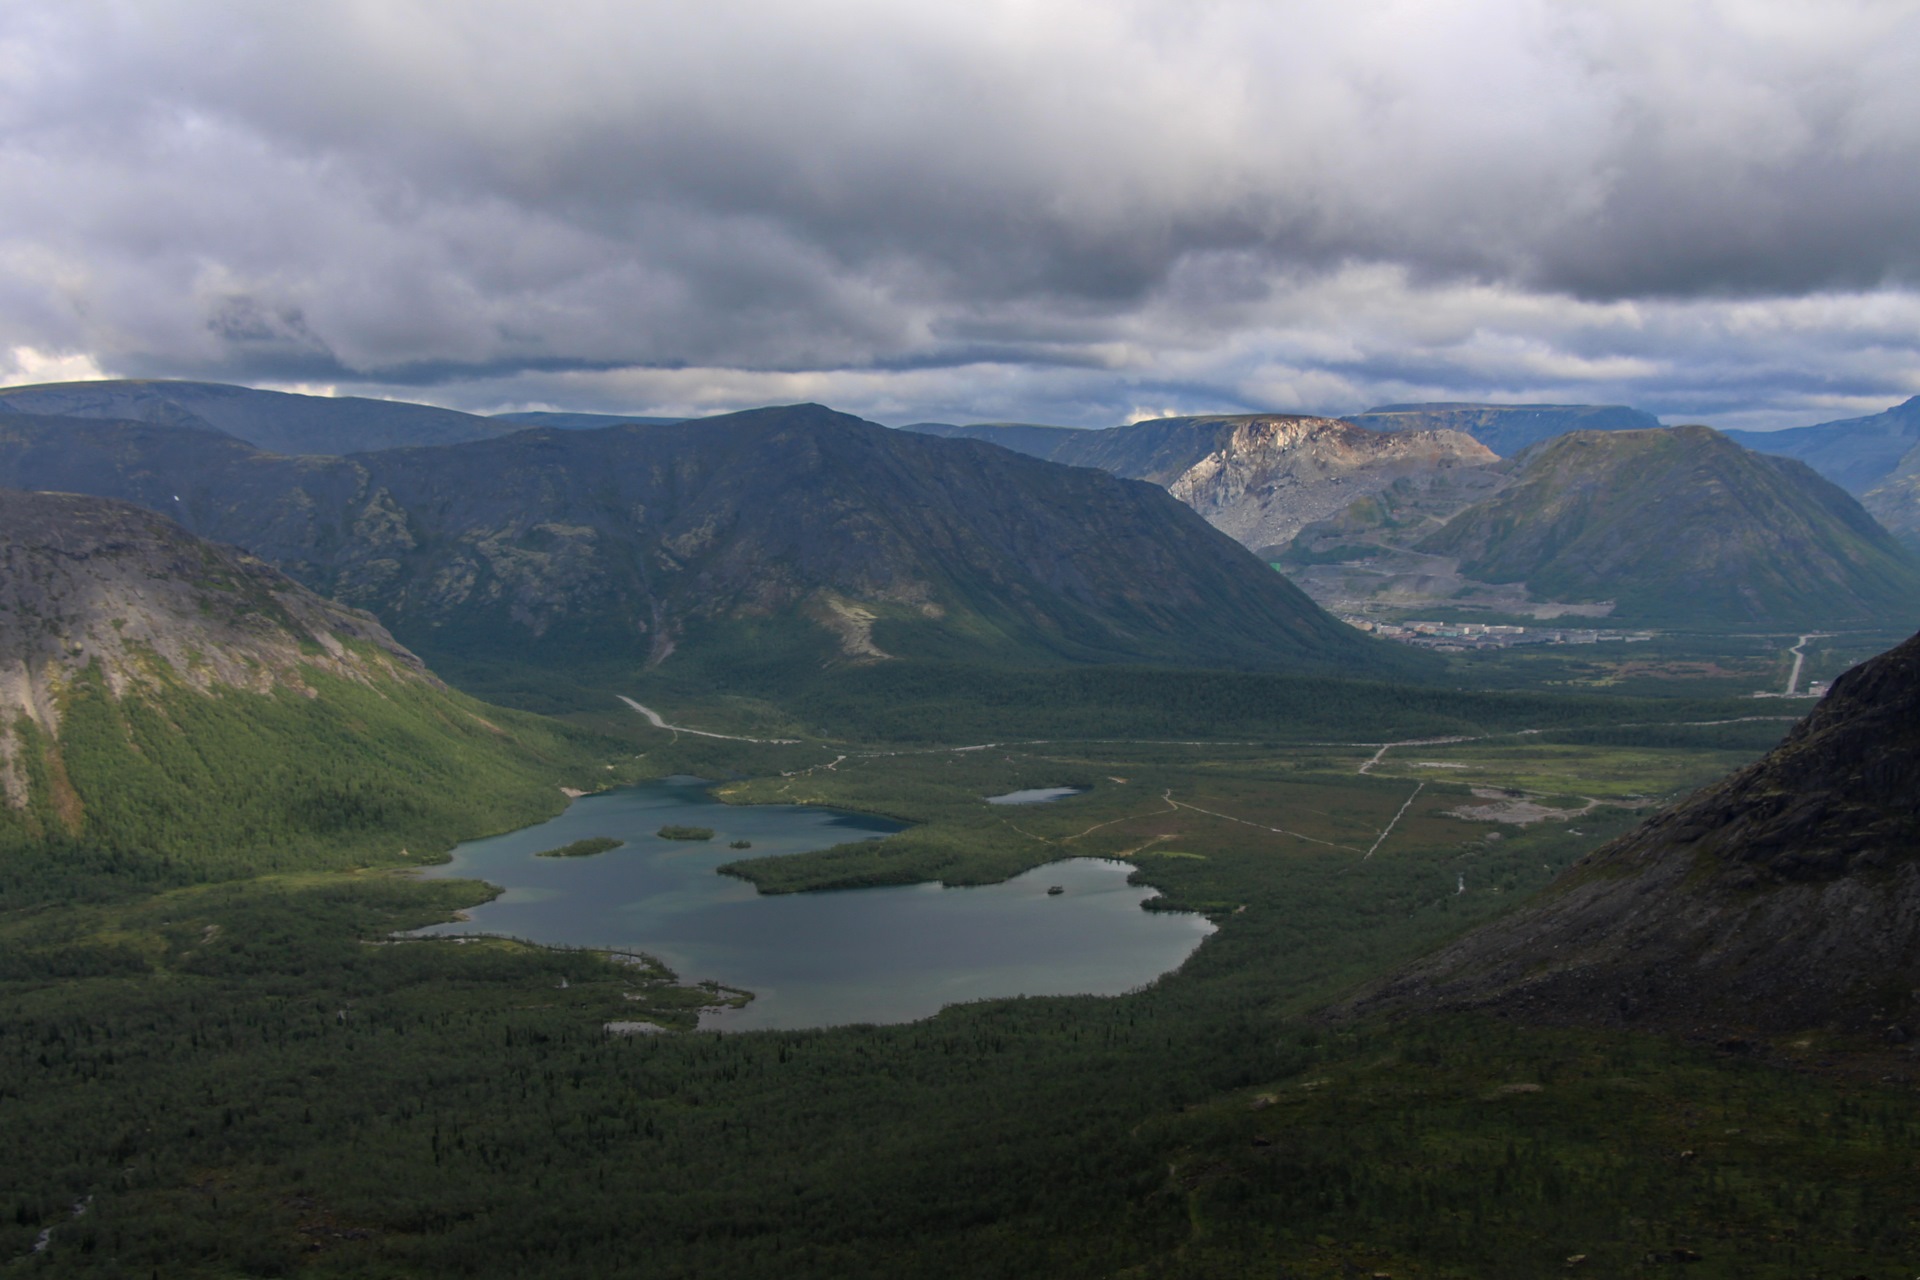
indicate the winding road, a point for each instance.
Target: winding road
{"x":653,"y":718}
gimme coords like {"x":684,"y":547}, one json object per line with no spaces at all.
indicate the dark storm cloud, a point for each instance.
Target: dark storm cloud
{"x":1083,"y":209}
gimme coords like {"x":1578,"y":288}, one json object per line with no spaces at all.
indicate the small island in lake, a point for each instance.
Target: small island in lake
{"x":685,"y":833}
{"x":741,"y":844}
{"x":582,"y":848}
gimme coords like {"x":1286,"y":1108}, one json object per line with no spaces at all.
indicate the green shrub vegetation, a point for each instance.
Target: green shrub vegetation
{"x":671,"y":832}
{"x":186,"y":786}
{"x":582,"y":848}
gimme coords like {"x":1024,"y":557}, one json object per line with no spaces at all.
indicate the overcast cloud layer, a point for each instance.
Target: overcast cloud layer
{"x":1071,"y":210}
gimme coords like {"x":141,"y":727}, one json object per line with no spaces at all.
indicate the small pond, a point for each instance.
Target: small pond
{"x":813,"y":959}
{"x":1037,"y":795}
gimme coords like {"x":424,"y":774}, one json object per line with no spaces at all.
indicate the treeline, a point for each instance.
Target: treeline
{"x":184,"y":786}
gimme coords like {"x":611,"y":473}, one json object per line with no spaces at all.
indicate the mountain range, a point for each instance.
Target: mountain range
{"x":788,"y":534}
{"x":1783,"y":899}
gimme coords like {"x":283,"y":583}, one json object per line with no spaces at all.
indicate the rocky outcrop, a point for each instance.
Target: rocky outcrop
{"x":1258,"y":478}
{"x":1785,"y":898}
{"x":1266,"y":478}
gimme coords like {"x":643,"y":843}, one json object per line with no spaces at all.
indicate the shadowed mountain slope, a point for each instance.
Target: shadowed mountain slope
{"x":276,"y":421}
{"x":1031,"y":438}
{"x":1682,"y":526}
{"x":1895,"y":500}
{"x":794,"y":530}
{"x":1784,"y":898}
{"x":1506,"y":428}
{"x":1854,"y":453}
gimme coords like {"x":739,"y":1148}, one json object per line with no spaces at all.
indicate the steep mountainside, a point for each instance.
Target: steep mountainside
{"x":1506,"y":428}
{"x":1682,"y":526}
{"x":1783,"y":899}
{"x":797,"y":531}
{"x":1257,"y":477}
{"x":172,"y":709}
{"x":1854,"y":453}
{"x":273,"y":420}
{"x":1895,"y":500}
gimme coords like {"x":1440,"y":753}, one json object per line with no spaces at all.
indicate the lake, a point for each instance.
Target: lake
{"x":812,"y":959}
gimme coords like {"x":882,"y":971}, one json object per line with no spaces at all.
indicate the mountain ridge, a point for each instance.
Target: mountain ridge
{"x":277,"y":421}
{"x":634,"y":540}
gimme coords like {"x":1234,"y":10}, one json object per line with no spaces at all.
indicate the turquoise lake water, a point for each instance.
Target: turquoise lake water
{"x":813,"y":959}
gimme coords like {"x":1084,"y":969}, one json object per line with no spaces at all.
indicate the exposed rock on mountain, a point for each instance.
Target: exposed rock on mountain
{"x":172,"y":710}
{"x":1784,"y":898}
{"x":1855,"y":453}
{"x":1257,"y":478}
{"x":1682,"y":526}
{"x":1506,"y":428}
{"x":272,"y":420}
{"x":88,"y":581}
{"x":787,"y":530}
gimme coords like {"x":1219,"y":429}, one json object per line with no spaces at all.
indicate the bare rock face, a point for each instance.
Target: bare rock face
{"x":90,"y":581}
{"x":1785,"y":898}
{"x":1269,"y":478}
{"x":1260,"y":479}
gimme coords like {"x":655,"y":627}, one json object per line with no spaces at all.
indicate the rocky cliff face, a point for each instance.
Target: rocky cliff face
{"x":1258,"y":478}
{"x":1784,"y":898}
{"x":92,"y":583}
{"x":633,"y":542}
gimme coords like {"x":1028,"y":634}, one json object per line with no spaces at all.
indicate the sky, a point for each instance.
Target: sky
{"x":1071,"y":211}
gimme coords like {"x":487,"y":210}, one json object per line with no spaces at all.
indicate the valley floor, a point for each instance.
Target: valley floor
{"x":232,"y":1082}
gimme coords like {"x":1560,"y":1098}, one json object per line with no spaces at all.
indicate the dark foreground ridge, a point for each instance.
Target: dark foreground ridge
{"x":1785,"y":898}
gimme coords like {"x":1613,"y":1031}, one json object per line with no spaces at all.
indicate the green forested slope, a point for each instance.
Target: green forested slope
{"x":1684,"y":527}
{"x":793,"y":533}
{"x":173,"y":711}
